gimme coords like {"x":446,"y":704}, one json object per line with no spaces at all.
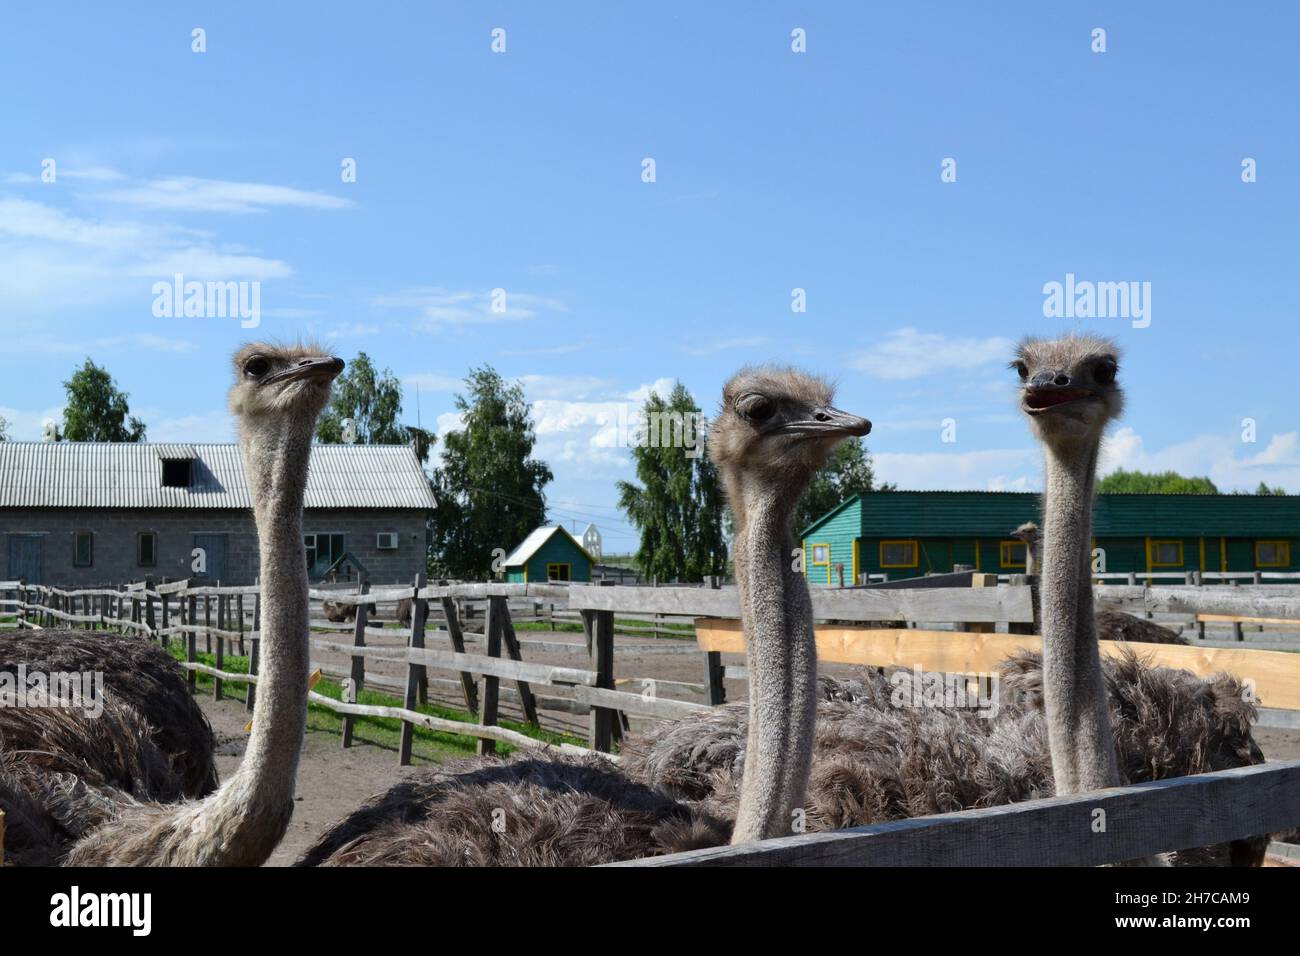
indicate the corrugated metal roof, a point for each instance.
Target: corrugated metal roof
{"x":129,"y":475}
{"x":983,"y":513}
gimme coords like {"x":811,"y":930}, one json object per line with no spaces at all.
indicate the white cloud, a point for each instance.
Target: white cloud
{"x":663,"y":387}
{"x":433,"y":382}
{"x":438,"y":307}
{"x":352,"y":330}
{"x":1229,"y":462}
{"x":907,"y":353}
{"x":191,"y":194}
{"x":27,"y":425}
{"x":724,"y":345}
{"x":212,"y":426}
{"x":97,"y":174}
{"x":41,"y":344}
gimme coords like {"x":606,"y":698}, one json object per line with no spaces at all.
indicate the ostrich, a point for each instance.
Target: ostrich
{"x":879,"y":759}
{"x":1069,"y":394}
{"x":1111,"y":625}
{"x":278,"y":394}
{"x":775,"y":430}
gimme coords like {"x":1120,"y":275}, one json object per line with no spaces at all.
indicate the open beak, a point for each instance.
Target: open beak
{"x":828,"y":420}
{"x":323,"y":369}
{"x":1039,"y":398}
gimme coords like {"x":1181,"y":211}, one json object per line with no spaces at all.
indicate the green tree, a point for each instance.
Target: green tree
{"x":96,"y":409}
{"x":1154,"y":483}
{"x":1264,"y":489}
{"x":373,"y":400}
{"x":4,"y":429}
{"x":490,"y":490}
{"x":678,"y":507}
{"x":847,"y":472}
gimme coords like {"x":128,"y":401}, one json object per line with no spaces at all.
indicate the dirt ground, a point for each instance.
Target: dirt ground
{"x":332,"y":781}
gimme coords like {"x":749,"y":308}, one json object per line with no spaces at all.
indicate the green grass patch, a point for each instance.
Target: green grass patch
{"x":426,"y":745}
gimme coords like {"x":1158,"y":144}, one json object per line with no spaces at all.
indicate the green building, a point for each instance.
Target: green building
{"x":549,"y":553}
{"x":909,"y":533}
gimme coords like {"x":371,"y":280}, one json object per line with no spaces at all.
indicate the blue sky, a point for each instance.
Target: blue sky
{"x":775,"y":170}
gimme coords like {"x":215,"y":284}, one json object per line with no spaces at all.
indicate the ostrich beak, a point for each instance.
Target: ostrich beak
{"x":828,"y":420}
{"x":323,"y":369}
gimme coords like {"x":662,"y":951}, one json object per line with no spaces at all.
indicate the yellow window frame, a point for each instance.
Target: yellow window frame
{"x":812,"y":555}
{"x":1283,"y":550}
{"x":1004,"y":553}
{"x":559,"y":564}
{"x":1155,"y":550}
{"x":916,"y":553}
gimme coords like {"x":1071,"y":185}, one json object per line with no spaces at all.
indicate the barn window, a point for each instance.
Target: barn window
{"x":558,"y":572}
{"x":1013,"y":554}
{"x":898,"y":554}
{"x":146,"y":549}
{"x":1272,"y":554}
{"x":821,"y":554}
{"x":83,"y":549}
{"x":1166,"y":554}
{"x":176,"y":472}
{"x":322,"y":551}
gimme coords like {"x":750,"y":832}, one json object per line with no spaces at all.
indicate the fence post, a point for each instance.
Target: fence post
{"x":149,"y":619}
{"x":207,"y":621}
{"x":254,"y":643}
{"x":457,"y":638}
{"x":217,"y":686}
{"x":239,"y":613}
{"x":191,"y":639}
{"x":21,"y":595}
{"x":357,"y":673}
{"x":491,"y":684}
{"x":414,"y":672}
{"x":599,"y":629}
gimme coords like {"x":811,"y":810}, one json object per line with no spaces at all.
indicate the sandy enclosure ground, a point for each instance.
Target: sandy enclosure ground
{"x":332,"y":781}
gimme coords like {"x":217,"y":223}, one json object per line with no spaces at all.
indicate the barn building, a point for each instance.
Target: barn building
{"x":910,"y":533}
{"x":549,"y":553}
{"x":79,"y":514}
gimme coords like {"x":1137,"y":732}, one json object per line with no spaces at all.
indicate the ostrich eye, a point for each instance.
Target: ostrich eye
{"x":1021,"y":369}
{"x":256,"y":367}
{"x":756,"y":408}
{"x":1104,"y":372}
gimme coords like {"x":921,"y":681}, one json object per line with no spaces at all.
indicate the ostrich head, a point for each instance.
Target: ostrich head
{"x":1068,"y":388}
{"x":779,"y":424}
{"x":274,"y":380}
{"x":1027,"y":532}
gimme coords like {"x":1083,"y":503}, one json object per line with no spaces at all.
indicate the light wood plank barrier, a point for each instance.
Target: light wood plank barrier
{"x":1274,"y":675}
{"x":1141,"y":820}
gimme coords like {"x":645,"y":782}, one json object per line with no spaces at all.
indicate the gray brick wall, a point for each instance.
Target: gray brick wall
{"x":115,"y":535}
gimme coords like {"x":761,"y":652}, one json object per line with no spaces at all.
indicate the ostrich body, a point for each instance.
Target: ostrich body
{"x":1111,"y":625}
{"x":775,"y":429}
{"x":1069,"y":394}
{"x":277,"y":397}
{"x":876,"y":761}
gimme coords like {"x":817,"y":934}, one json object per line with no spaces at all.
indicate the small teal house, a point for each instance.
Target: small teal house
{"x":549,"y":553}
{"x":906,"y":534}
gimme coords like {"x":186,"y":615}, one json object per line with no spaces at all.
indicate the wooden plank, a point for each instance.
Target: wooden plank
{"x":662,"y":708}
{"x":1274,"y":676}
{"x":473,"y":663}
{"x":1233,"y":619}
{"x":489,"y":701}
{"x":457,"y":638}
{"x":851,"y":604}
{"x":1141,"y":820}
{"x":512,"y":650}
{"x":599,"y":628}
{"x":357,"y":675}
{"x":415,"y":673}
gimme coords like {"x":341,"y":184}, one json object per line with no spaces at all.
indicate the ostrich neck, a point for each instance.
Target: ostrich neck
{"x":781,"y":657}
{"x":1078,"y":715}
{"x":248,"y":816}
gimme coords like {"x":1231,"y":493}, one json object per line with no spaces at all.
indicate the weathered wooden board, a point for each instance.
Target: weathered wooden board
{"x":926,"y":604}
{"x":1274,"y":676}
{"x":1141,"y":820}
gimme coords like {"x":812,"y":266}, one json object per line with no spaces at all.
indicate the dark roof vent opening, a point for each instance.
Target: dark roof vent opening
{"x":176,"y":472}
